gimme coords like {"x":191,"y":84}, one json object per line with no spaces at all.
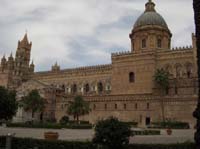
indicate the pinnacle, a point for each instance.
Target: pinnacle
{"x":11,"y":54}
{"x":25,"y":39}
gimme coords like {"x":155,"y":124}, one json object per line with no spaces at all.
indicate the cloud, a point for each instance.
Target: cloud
{"x":83,"y":32}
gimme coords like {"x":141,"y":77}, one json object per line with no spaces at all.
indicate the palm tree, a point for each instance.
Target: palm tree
{"x":161,"y":78}
{"x":33,"y":102}
{"x":78,"y":108}
{"x":196,"y":6}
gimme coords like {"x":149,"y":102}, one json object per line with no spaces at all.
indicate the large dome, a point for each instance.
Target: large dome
{"x":150,"y":17}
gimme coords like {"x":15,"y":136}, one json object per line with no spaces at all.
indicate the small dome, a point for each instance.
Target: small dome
{"x":150,"y":17}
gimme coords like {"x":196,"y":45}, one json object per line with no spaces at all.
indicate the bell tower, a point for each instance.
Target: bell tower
{"x":22,"y":60}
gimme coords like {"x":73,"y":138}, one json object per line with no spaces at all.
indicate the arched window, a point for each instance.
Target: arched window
{"x":74,"y":88}
{"x":124,"y":106}
{"x":131,"y":77}
{"x":148,"y":106}
{"x":189,"y":70}
{"x":94,"y":107}
{"x":115,"y":106}
{"x":144,"y":44}
{"x":105,"y":106}
{"x":159,"y":43}
{"x":178,"y":68}
{"x":100,"y":87}
{"x":176,"y":90}
{"x":87,"y":88}
{"x":136,"y":106}
{"x":167,"y":90}
{"x":63,"y":87}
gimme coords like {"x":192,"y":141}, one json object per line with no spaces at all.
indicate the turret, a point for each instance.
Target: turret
{"x":3,"y":63}
{"x":194,"y":44}
{"x":11,"y":62}
{"x":32,"y":67}
{"x":55,"y":67}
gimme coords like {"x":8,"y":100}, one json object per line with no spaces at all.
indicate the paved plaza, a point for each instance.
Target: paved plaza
{"x":178,"y":136}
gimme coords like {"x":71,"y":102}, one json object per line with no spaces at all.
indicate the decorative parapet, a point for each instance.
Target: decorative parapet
{"x":182,"y":48}
{"x":121,"y":53}
{"x":97,"y":68}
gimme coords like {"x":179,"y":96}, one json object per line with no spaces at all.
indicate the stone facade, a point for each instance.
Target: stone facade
{"x":125,"y":88}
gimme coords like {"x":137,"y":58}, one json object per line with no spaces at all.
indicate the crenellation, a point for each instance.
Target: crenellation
{"x":122,"y":53}
{"x":188,"y":47}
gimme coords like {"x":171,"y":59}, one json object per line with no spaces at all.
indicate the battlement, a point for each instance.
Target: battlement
{"x":182,"y":48}
{"x":96,"y":68}
{"x":121,"y":53}
{"x":89,"y":68}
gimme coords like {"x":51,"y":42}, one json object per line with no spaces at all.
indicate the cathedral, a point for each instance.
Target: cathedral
{"x":126,"y":88}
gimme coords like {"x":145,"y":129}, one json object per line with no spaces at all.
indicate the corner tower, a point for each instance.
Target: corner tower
{"x":150,"y":32}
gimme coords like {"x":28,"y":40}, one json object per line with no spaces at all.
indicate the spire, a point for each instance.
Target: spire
{"x":150,"y":6}
{"x":25,"y":39}
{"x":24,"y":43}
{"x":11,"y":54}
{"x":11,"y":57}
{"x":32,"y":64}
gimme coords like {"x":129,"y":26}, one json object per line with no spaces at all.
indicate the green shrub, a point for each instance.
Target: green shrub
{"x":78,"y":126}
{"x":51,"y":120}
{"x":133,"y":124}
{"x":64,"y":120}
{"x":50,"y":125}
{"x":146,"y":132}
{"x":170,"y":124}
{"x":80,"y":122}
{"x":112,"y":133}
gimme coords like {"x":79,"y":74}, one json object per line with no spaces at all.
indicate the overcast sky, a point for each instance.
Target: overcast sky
{"x":83,"y":32}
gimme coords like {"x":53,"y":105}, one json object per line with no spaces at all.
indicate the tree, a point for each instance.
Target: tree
{"x":162,"y":78}
{"x":78,"y":108}
{"x":64,"y":120}
{"x":33,"y":102}
{"x":112,"y":133}
{"x":8,"y":104}
{"x":196,"y":6}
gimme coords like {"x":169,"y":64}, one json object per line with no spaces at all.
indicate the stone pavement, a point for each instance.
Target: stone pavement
{"x":178,"y":136}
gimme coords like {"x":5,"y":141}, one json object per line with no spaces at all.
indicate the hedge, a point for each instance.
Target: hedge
{"x":146,"y":132}
{"x":22,"y":143}
{"x":134,"y":124}
{"x":170,"y":124}
{"x":51,"y":125}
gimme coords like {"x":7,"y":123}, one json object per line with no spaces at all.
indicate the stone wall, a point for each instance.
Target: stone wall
{"x":134,"y":108}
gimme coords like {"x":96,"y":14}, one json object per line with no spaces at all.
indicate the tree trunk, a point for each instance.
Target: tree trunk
{"x":77,"y":119}
{"x":32,"y":114}
{"x":163,"y":110}
{"x":196,"y":6}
